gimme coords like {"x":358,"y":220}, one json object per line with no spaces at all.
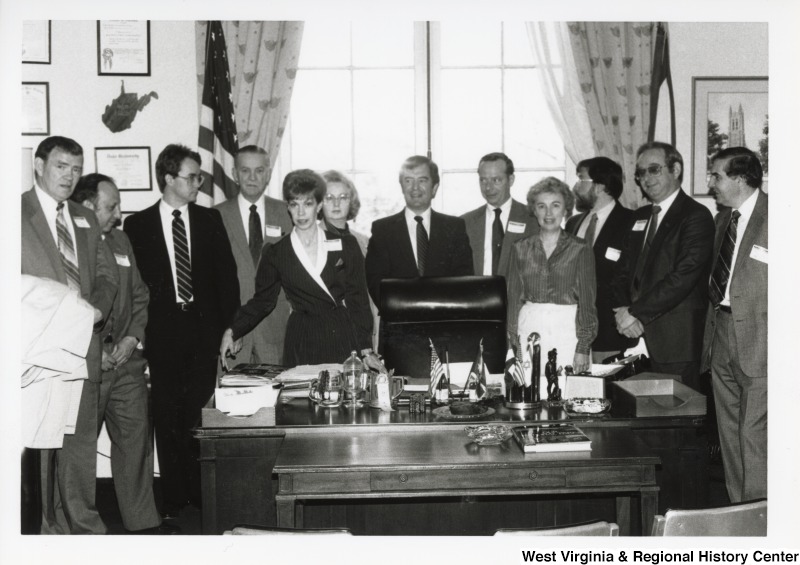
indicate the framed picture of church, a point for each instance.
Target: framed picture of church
{"x":728,"y":112}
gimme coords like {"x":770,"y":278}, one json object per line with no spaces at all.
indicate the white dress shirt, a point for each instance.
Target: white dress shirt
{"x":244,"y":210}
{"x":746,"y":210}
{"x":602,"y":215}
{"x":411,"y":223}
{"x":49,"y":207}
{"x":165,"y":210}
{"x":505,"y":212}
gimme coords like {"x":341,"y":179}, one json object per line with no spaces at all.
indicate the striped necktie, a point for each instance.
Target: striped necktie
{"x":422,"y":245}
{"x":589,"y":235}
{"x":722,"y":268}
{"x":66,"y":248}
{"x":183,"y":264}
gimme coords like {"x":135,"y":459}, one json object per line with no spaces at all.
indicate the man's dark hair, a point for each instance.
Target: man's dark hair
{"x":741,"y":162}
{"x":671,"y":155}
{"x":603,"y":170}
{"x":169,"y":162}
{"x":86,"y":189}
{"x":65,"y":144}
{"x":417,"y":161}
{"x":499,"y":157}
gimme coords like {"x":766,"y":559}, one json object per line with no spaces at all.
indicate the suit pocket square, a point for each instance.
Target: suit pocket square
{"x":340,"y":263}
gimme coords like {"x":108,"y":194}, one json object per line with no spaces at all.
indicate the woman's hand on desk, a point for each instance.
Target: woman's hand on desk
{"x":581,"y":363}
{"x":229,"y":347}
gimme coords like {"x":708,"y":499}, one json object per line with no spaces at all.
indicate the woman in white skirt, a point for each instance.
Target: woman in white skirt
{"x":551,"y":281}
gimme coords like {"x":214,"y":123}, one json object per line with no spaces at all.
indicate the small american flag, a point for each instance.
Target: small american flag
{"x":437,"y":371}
{"x":477,"y":374}
{"x":514,"y":368}
{"x":217,"y":141}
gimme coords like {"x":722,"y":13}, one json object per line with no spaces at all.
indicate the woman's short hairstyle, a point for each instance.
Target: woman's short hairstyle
{"x":355,"y":201}
{"x":301,"y":183}
{"x":551,"y":185}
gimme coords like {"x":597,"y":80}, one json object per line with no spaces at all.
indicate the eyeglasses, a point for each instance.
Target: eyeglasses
{"x":652,"y":170}
{"x":194,"y":179}
{"x":342,"y":198}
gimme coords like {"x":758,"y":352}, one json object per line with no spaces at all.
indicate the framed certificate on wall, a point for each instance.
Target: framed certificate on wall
{"x":36,"y":42}
{"x":123,"y":47}
{"x":35,"y":108}
{"x":128,"y":166}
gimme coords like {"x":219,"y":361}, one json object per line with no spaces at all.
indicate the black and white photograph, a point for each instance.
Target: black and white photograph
{"x":387,"y":282}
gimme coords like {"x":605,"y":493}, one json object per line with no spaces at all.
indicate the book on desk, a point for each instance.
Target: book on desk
{"x":547,"y":438}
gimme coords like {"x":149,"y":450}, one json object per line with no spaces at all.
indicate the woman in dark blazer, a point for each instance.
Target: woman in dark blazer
{"x":322,"y":274}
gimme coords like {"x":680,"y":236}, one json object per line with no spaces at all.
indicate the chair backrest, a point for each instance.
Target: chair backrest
{"x":598,"y":528}
{"x":455,"y":312}
{"x":741,"y":520}
{"x":267,"y":531}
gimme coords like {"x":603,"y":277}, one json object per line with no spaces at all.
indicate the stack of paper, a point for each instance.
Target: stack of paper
{"x":296,"y":381}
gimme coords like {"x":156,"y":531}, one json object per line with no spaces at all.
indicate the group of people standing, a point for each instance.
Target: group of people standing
{"x":183,"y":288}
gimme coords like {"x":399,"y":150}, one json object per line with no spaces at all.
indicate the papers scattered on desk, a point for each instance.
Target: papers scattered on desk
{"x":604,"y":370}
{"x":296,"y":381}
{"x":550,"y":438}
{"x":245,"y":401}
{"x":250,"y":374}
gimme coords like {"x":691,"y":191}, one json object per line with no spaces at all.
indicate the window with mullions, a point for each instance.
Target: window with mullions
{"x":362,"y":98}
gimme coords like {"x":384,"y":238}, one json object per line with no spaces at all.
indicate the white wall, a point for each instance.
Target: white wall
{"x":707,"y":50}
{"x":78,"y":96}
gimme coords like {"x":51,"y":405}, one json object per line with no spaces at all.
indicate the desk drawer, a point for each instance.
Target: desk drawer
{"x":466,"y":479}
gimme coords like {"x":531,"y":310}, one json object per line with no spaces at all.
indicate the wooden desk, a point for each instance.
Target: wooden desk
{"x":366,"y":463}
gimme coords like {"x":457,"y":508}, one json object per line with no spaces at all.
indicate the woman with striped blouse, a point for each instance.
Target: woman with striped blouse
{"x":551,"y":281}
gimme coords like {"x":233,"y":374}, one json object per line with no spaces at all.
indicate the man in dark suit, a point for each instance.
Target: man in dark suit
{"x":253,"y":220}
{"x":661,"y":288}
{"x":417,"y":242}
{"x":492,"y":229}
{"x":123,"y":391}
{"x":735,"y":343}
{"x":185,"y":259}
{"x":61,"y":241}
{"x":604,"y":226}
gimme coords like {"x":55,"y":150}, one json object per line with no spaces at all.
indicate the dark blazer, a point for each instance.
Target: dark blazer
{"x":390,"y":254}
{"x":748,"y":293}
{"x":40,"y":258}
{"x":611,"y":239}
{"x":476,"y":230}
{"x":671,"y":298}
{"x":321,"y":328}
{"x":214,"y":283}
{"x":266,"y":340}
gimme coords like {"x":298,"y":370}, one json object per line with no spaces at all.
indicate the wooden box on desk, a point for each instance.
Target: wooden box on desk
{"x":654,"y":394}
{"x":212,"y":417}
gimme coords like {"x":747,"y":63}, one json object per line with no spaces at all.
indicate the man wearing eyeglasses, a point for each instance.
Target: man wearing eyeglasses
{"x":661,"y":288}
{"x":417,"y":242}
{"x":252,"y":221}
{"x":493,"y":228}
{"x":185,"y":260}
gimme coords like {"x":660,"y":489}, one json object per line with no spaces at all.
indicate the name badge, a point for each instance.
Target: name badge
{"x":515,"y":227}
{"x":759,"y":253}
{"x":80,"y":221}
{"x":639,"y":225}
{"x":333,"y":244}
{"x":612,"y":254}
{"x":122,"y":260}
{"x":273,"y":231}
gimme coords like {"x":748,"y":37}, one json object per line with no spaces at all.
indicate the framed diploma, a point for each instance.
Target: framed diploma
{"x":128,"y":166}
{"x":36,"y":42}
{"x":35,"y":108}
{"x":123,"y":47}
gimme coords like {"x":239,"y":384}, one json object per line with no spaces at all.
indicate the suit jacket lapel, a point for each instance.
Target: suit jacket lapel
{"x":476,"y":231}
{"x":404,"y":239}
{"x":238,"y":235}
{"x":576,"y":224}
{"x":611,"y":223}
{"x":519,"y":214}
{"x":671,"y":218}
{"x":751,"y":232}
{"x":39,"y":223}
{"x":82,"y":250}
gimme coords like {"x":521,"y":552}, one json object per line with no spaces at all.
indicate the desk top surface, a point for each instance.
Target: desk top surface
{"x":426,"y":448}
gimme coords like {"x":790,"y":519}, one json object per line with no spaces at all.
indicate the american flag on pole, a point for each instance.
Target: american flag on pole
{"x":514,"y":368}
{"x":217,"y":140}
{"x":477,"y":374}
{"x":437,"y":371}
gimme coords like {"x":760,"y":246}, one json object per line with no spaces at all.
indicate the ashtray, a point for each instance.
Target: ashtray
{"x":578,"y":407}
{"x":489,"y":434}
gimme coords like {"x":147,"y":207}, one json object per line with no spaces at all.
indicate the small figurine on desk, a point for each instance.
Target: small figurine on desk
{"x":551,"y":372}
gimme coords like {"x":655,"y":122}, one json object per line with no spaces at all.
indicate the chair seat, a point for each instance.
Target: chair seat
{"x":740,"y":520}
{"x":596,"y":528}
{"x":268,"y":531}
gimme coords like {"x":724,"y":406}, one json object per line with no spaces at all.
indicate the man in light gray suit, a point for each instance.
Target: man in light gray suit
{"x":492,"y":229}
{"x":253,"y":220}
{"x":735,"y":340}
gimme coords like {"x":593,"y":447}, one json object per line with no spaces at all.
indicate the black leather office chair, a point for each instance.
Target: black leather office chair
{"x":455,"y":312}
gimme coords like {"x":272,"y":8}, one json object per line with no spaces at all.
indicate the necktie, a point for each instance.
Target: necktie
{"x":589,"y":235}
{"x":66,"y":248}
{"x":648,"y":240}
{"x":422,"y":245}
{"x":722,"y":268}
{"x":183,"y":264}
{"x":256,"y":235}
{"x":497,"y":240}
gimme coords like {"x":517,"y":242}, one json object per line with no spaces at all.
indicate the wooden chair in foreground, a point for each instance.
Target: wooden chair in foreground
{"x":267,"y":531}
{"x":597,"y":528}
{"x":741,"y":520}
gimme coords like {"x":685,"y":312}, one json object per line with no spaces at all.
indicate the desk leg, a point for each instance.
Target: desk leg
{"x":649,"y":505}
{"x":286,"y":512}
{"x":624,"y":515}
